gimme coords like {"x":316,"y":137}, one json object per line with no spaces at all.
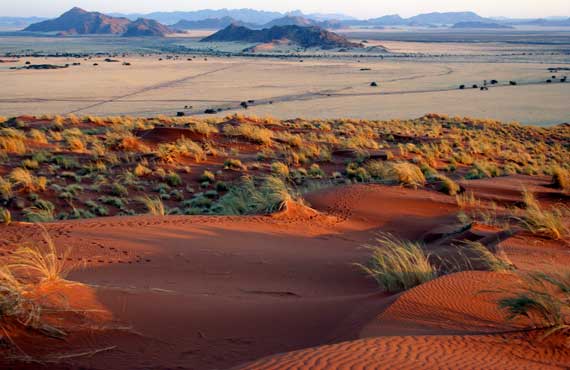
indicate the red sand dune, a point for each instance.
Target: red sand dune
{"x":217,"y":292}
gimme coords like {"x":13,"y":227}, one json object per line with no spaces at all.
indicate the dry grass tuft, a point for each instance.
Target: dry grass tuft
{"x":407,"y":174}
{"x":561,"y":178}
{"x":43,"y":262}
{"x":154,"y":205}
{"x":398,"y":265}
{"x":549,"y":223}
{"x":543,"y":298}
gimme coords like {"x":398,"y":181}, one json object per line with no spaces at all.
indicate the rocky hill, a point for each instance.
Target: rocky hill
{"x":81,"y":22}
{"x":210,"y":24}
{"x":303,"y":36}
{"x":300,"y":21}
{"x":147,"y":27}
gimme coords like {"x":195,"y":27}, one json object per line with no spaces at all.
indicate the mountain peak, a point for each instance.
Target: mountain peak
{"x":76,"y":10}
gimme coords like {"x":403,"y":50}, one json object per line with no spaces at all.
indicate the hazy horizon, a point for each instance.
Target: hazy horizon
{"x":364,"y":8}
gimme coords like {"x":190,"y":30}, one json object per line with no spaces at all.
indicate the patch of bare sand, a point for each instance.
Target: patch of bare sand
{"x":216,"y":292}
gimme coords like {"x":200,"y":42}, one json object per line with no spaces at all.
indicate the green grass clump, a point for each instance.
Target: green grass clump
{"x":398,"y":265}
{"x":5,"y":189}
{"x":483,"y":169}
{"x":40,"y":212}
{"x":251,"y":198}
{"x":543,"y":298}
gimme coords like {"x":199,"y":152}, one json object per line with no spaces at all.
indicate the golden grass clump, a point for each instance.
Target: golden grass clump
{"x":561,"y":178}
{"x":407,"y":174}
{"x":547,"y":222}
{"x":154,"y":205}
{"x":280,"y":169}
{"x":397,"y":264}
{"x":6,"y":192}
{"x":133,"y":144}
{"x":42,"y":262}
{"x":141,"y":170}
{"x":12,"y":141}
{"x":26,"y":181}
{"x":467,"y":200}
{"x":38,"y":136}
{"x":15,"y":308}
{"x":447,"y":185}
{"x":251,"y":132}
{"x":5,"y":216}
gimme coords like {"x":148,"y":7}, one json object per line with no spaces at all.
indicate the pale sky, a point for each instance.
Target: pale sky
{"x":358,"y":8}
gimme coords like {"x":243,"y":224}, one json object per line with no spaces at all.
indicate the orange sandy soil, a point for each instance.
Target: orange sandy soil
{"x":190,"y":292}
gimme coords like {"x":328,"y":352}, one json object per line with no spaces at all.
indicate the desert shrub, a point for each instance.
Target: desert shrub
{"x":66,"y":163}
{"x":140,"y":170}
{"x":561,"y":178}
{"x":75,"y":144}
{"x":183,"y":147}
{"x":119,"y":190}
{"x":378,"y":170}
{"x":483,"y":169}
{"x":280,"y":169}
{"x":479,"y":253}
{"x":112,"y":201}
{"x":203,"y":128}
{"x":97,"y":209}
{"x":30,"y":164}
{"x":467,"y":200}
{"x":251,"y":198}
{"x":546,"y":222}
{"x":5,"y":216}
{"x":398,"y":264}
{"x":40,"y":212}
{"x":234,"y":164}
{"x":42,"y":261}
{"x":357,"y":173}
{"x":407,"y":174}
{"x":5,"y":189}
{"x":447,"y":185}
{"x":359,"y":142}
{"x":38,"y":136}
{"x":251,"y":132}
{"x":41,"y":156}
{"x":464,"y":158}
{"x":11,"y":144}
{"x":173,"y":179}
{"x":315,"y":171}
{"x":18,"y":310}
{"x":208,"y":176}
{"x":543,"y":298}
{"x":291,"y":139}
{"x":26,"y":181}
{"x":154,"y":205}
{"x":130,"y":143}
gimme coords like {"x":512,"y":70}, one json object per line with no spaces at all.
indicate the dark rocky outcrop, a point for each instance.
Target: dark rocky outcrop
{"x":303,"y":36}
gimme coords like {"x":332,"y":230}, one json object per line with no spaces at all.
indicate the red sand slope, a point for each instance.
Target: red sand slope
{"x":217,"y":292}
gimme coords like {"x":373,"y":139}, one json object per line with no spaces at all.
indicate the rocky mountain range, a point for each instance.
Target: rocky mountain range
{"x":307,"y":37}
